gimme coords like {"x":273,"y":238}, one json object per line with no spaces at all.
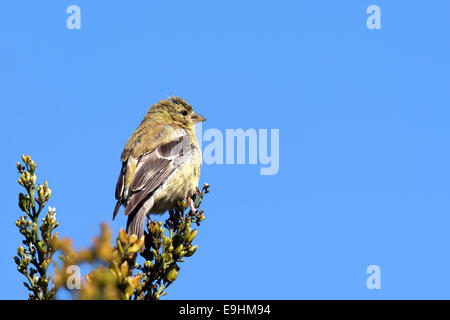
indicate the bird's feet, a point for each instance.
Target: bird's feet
{"x":190,"y":202}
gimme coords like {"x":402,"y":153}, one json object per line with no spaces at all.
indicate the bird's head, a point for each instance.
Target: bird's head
{"x":174,"y":110}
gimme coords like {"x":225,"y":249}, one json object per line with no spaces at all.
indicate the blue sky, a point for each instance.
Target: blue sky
{"x":362,"y":115}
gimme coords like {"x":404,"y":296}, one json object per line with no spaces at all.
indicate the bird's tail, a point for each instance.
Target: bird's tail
{"x":116,"y":209}
{"x":136,"y":222}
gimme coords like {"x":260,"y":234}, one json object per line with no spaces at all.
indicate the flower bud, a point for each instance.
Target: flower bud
{"x":135,"y":247}
{"x":48,"y":193}
{"x":119,"y":246}
{"x":43,"y":282}
{"x":191,"y":251}
{"x":171,"y":274}
{"x":133,"y":238}
{"x":123,"y":237}
{"x":39,"y":244}
{"x":187,"y":233}
{"x":192,"y":236}
{"x":124,"y":268}
{"x":178,"y":250}
{"x":41,"y":193}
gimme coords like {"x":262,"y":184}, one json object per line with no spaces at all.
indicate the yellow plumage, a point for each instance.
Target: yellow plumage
{"x":160,"y":163}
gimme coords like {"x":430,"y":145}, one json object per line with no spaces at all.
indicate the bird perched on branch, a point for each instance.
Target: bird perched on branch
{"x":160,"y":163}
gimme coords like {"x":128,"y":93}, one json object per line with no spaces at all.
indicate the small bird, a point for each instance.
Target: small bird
{"x":160,"y":163}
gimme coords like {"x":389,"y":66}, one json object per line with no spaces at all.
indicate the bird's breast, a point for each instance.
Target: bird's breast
{"x":183,"y":182}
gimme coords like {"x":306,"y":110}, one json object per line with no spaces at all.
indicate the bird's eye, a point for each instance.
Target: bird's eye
{"x":184,"y":113}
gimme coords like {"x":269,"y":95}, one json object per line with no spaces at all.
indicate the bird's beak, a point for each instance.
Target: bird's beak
{"x":197,"y":118}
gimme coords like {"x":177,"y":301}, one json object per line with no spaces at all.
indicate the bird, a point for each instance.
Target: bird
{"x":160,"y":163}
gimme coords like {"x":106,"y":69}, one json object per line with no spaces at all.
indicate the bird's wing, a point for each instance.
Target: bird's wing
{"x":121,"y":182}
{"x":153,"y":168}
{"x":120,"y":187}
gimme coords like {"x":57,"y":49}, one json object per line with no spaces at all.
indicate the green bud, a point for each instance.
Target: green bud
{"x":41,"y":193}
{"x":133,"y":238}
{"x":192,"y":236}
{"x":24,"y":202}
{"x":166,"y":240}
{"x":178,"y":250}
{"x":191,"y":251}
{"x":124,"y":268}
{"x":123,"y":237}
{"x":168,"y":257}
{"x":24,"y":178}
{"x":171,"y":274}
{"x":48,"y":193}
{"x":119,"y":246}
{"x":43,"y":282}
{"x":135,"y":247}
{"x":187,"y":233}
{"x":39,"y":244}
